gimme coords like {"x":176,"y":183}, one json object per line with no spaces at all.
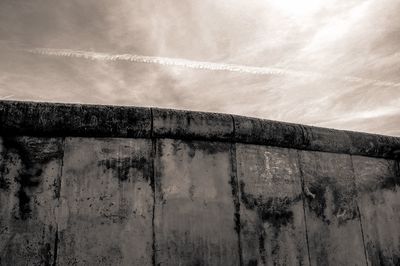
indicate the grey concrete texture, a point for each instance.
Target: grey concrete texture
{"x":30,"y":170}
{"x":333,"y":223}
{"x":378,"y":186}
{"x":168,"y":193}
{"x":110,"y":201}
{"x":50,"y":119}
{"x":192,"y":125}
{"x":194,"y":211}
{"x":272,"y":221}
{"x":78,"y":201}
{"x":272,"y":133}
{"x":106,"y":203}
{"x":296,"y":136}
{"x":53,"y":119}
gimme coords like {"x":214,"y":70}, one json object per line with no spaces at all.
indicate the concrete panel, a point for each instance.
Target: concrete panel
{"x":268,"y":132}
{"x":374,"y":145}
{"x":56,"y":119}
{"x":296,"y":136}
{"x":29,"y":176}
{"x":334,"y":229}
{"x":194,"y":211}
{"x":378,"y":184}
{"x":107,"y":202}
{"x":271,"y":206}
{"x":169,"y":123}
{"x":326,"y":139}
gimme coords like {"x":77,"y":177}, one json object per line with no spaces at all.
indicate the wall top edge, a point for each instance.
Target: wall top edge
{"x":84,"y":120}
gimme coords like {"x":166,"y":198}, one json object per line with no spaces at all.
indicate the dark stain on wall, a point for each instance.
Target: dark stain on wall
{"x":274,"y":210}
{"x":396,"y":259}
{"x":191,"y":191}
{"x":235,"y":194}
{"x":158,"y":169}
{"x":207,"y":147}
{"x":45,"y":254}
{"x":252,"y":262}
{"x":378,"y":257}
{"x":344,"y":207}
{"x":390,"y":183}
{"x":387,"y":182}
{"x":122,"y":166}
{"x":261,"y":246}
{"x":236,"y":201}
{"x":34,"y":155}
{"x":116,"y":217}
{"x":4,"y":171}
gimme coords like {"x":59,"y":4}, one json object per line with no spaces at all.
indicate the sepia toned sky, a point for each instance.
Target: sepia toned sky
{"x":329,"y":63}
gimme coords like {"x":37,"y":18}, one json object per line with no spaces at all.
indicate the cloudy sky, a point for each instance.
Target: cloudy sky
{"x":329,"y":63}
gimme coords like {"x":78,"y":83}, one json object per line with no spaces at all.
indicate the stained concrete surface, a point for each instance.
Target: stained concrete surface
{"x":272,"y":133}
{"x":191,"y":188}
{"x":55,"y":119}
{"x":30,"y":170}
{"x":273,"y":230}
{"x":333,"y":222}
{"x":105,"y":217}
{"x":378,"y":186}
{"x":65,"y":120}
{"x":194,"y":211}
{"x":87,"y":201}
{"x":169,"y":123}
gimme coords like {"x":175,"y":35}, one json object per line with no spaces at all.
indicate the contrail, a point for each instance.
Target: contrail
{"x":6,"y":97}
{"x":167,"y":61}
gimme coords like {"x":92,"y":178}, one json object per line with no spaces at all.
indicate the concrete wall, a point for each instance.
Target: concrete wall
{"x":103,"y":185}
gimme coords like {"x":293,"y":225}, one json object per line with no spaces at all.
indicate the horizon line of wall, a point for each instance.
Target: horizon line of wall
{"x":108,"y":185}
{"x":61,"y":119}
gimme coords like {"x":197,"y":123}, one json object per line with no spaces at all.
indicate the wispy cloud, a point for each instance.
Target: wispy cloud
{"x":6,"y":97}
{"x":333,"y":63}
{"x":202,"y":65}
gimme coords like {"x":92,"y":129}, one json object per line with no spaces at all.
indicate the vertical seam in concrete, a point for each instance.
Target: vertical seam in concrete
{"x":397,"y":168}
{"x":55,"y":247}
{"x":151,"y":123}
{"x":58,"y":194}
{"x":358,"y":210}
{"x":153,"y":187}
{"x":304,"y":204}
{"x":233,"y":130}
{"x":304,"y":133}
{"x":58,"y":191}
{"x":235,"y":192}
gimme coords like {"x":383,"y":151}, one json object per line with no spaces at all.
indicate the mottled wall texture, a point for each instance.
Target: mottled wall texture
{"x":104,"y":185}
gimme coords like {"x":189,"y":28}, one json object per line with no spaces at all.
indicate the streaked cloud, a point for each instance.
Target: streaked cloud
{"x":6,"y":97}
{"x":332,"y":63}
{"x":179,"y":62}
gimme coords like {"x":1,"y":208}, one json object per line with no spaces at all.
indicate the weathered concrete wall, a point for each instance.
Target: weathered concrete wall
{"x":103,"y":185}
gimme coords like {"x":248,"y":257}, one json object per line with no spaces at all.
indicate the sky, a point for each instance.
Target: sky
{"x":328,"y":63}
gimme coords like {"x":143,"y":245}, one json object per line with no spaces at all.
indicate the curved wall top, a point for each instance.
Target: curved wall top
{"x":55,"y":119}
